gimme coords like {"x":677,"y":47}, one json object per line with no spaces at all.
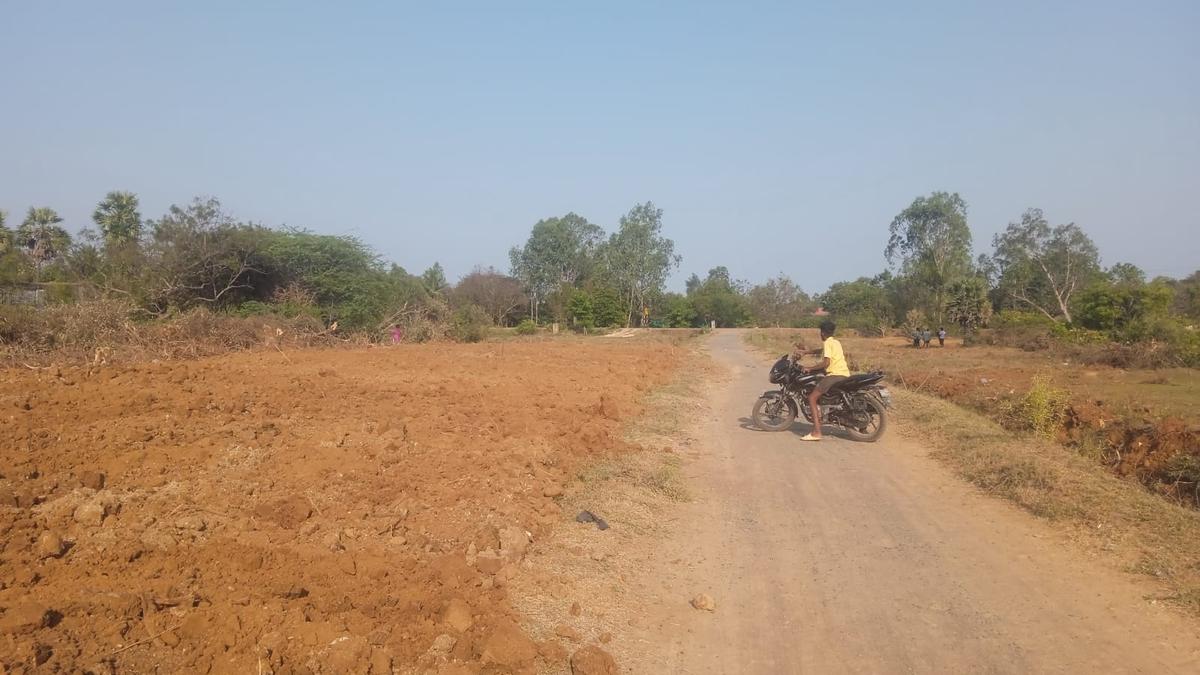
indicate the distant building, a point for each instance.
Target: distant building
{"x":820,"y":311}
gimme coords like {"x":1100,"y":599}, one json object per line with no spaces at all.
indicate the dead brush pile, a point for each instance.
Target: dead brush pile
{"x":103,"y":331}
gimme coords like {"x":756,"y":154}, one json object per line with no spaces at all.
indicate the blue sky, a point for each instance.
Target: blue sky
{"x":777,"y":137}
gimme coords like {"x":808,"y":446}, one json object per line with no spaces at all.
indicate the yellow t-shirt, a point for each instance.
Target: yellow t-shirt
{"x":837,"y":359}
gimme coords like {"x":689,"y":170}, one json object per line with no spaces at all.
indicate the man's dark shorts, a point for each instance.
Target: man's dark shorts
{"x":827,"y":382}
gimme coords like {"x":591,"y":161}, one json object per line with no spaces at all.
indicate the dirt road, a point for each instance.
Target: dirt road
{"x":870,"y":558}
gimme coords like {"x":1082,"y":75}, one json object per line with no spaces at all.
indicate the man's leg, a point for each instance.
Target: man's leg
{"x":814,"y":404}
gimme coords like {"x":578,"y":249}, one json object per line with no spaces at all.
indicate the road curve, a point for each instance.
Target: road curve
{"x":843,"y":557}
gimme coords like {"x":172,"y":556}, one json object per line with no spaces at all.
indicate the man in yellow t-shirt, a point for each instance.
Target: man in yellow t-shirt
{"x":833,"y":362}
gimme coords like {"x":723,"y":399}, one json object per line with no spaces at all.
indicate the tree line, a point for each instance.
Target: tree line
{"x":571,"y":271}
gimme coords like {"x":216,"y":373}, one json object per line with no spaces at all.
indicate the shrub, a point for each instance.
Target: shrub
{"x":526,"y":327}
{"x":470,"y":324}
{"x":1042,"y":409}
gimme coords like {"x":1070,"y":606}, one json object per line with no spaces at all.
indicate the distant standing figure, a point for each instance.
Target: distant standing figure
{"x":941,"y":337}
{"x":397,"y":335}
{"x":916,"y":338}
{"x":926,"y":336}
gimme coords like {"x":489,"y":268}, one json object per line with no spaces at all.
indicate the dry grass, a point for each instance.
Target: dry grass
{"x":1110,"y":516}
{"x":110,"y":331}
{"x":634,"y":494}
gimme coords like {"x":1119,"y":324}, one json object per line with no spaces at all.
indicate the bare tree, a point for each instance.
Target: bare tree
{"x":497,"y":294}
{"x":198,"y":254}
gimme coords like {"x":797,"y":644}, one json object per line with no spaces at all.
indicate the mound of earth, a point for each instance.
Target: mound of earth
{"x":320,"y":511}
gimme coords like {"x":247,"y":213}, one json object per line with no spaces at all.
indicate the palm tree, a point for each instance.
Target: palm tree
{"x":118,"y":217}
{"x":41,"y":236}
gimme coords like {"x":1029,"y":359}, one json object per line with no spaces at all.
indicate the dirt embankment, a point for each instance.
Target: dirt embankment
{"x":321,"y":511}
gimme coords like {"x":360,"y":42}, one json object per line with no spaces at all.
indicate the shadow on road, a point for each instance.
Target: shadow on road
{"x":798,"y":428}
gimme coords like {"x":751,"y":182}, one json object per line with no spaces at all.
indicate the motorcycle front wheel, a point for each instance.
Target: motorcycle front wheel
{"x":772,"y":413}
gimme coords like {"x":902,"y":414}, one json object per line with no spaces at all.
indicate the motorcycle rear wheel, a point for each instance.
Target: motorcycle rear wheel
{"x":875,"y":428}
{"x":772,"y":413}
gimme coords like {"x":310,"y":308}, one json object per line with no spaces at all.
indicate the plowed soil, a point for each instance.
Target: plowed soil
{"x":315,"y":511}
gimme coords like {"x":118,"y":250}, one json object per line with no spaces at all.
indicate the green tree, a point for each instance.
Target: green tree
{"x":967,"y":304}
{"x":778,"y":302}
{"x":559,"y":254}
{"x":343,"y":276}
{"x":434,"y":278}
{"x":638,"y":258}
{"x":1187,"y":296}
{"x":580,"y":310}
{"x":719,"y":299}
{"x":679,"y":311}
{"x":118,"y":218}
{"x":1042,"y":267}
{"x":932,"y":242}
{"x":607,"y":307}
{"x":1126,"y":273}
{"x":862,"y":304}
{"x":42,"y":238}
{"x":1126,"y":312}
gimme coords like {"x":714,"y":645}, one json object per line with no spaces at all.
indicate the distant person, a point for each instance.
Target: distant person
{"x":941,"y":337}
{"x":926,"y":336}
{"x":916,"y":336}
{"x":833,"y":362}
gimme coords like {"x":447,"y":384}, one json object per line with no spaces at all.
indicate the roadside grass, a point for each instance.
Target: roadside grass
{"x":1117,"y":518}
{"x":634,"y":493}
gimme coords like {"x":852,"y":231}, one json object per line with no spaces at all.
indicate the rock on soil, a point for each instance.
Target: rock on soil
{"x":705,"y":602}
{"x":442,"y":645}
{"x":458,"y":615}
{"x":287,"y":513}
{"x":92,"y":479}
{"x":50,"y":545}
{"x":509,"y":646}
{"x":592,"y":660}
{"x":514,"y":541}
{"x":567,"y":632}
{"x":93,"y":512}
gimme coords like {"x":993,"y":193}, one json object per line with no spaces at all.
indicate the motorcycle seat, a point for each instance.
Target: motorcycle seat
{"x":858,"y":381}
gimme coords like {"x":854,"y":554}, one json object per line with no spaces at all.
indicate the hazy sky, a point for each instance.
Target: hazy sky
{"x":776,"y":137}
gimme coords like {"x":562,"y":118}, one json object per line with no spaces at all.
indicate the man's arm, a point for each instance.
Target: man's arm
{"x":820,"y":365}
{"x":800,"y":350}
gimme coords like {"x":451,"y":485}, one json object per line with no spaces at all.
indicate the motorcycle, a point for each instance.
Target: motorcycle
{"x":857,"y":404}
